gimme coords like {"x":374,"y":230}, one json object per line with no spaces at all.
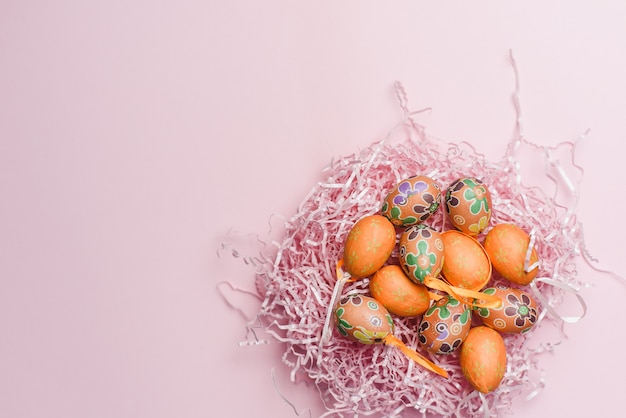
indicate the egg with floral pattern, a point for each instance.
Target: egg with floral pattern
{"x":468,"y":204}
{"x":368,"y":245}
{"x":421,"y":252}
{"x":363,"y":319}
{"x":412,"y":201}
{"x":517,"y":314}
{"x":445,"y":325}
{"x":483,"y":359}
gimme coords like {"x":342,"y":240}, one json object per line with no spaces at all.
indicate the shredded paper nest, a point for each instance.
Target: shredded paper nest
{"x":297,"y":279}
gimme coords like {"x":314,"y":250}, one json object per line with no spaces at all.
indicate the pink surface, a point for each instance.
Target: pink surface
{"x":135,"y":135}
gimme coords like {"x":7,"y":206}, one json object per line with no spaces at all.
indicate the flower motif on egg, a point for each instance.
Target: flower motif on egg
{"x":367,"y":336}
{"x":520,"y":309}
{"x":469,"y":205}
{"x":421,"y":252}
{"x":368,"y":325}
{"x":517,"y":314}
{"x":444,"y":326}
{"x":423,"y":261}
{"x":405,"y":190}
{"x":476,"y":194}
{"x":342,"y":325}
{"x":411,"y":201}
{"x":450,"y":198}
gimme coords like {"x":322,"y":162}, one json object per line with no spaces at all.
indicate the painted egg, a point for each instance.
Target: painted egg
{"x":363,"y":319}
{"x":421,"y":252}
{"x":398,"y":293}
{"x":412,"y":201}
{"x":483,"y":359}
{"x":466,"y":263}
{"x":445,"y":325}
{"x":507,"y":245}
{"x":368,"y":245}
{"x":517,"y":314}
{"x":468,"y":204}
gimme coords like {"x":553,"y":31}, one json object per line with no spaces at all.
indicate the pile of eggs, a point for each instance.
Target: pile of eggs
{"x":448,"y":324}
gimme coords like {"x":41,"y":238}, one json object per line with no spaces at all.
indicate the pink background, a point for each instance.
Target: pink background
{"x":135,"y":134}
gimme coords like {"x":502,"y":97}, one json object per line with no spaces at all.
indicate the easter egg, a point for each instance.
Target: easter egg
{"x":507,"y":245}
{"x":483,"y":358}
{"x":466,"y":264}
{"x":517,"y":314}
{"x":468,"y":204}
{"x":412,"y":201}
{"x":445,"y":325}
{"x":421,"y":252}
{"x":363,"y":319}
{"x":396,"y":292}
{"x":368,"y":245}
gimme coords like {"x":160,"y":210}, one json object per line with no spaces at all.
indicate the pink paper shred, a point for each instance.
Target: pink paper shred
{"x":296,"y":279}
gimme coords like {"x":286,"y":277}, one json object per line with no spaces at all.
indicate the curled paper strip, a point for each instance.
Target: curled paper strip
{"x":546,"y":304}
{"x":342,"y":279}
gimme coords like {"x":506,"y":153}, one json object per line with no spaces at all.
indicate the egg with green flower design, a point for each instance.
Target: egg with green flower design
{"x":363,"y":319}
{"x":421,"y":252}
{"x":412,"y":201}
{"x":468,"y":204}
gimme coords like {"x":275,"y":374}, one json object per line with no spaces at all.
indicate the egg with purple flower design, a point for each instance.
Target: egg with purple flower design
{"x":412,"y":201}
{"x":445,"y":325}
{"x":517,"y":314}
{"x":468,"y":204}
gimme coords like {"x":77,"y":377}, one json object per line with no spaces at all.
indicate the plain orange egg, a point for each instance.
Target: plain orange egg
{"x":507,"y":245}
{"x":483,"y":358}
{"x":399,"y":294}
{"x":368,"y":245}
{"x":465,"y":262}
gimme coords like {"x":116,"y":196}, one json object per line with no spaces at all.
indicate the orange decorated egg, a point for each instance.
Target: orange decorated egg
{"x":517,"y":314}
{"x":368,"y":245}
{"x":483,"y":358}
{"x":507,"y":245}
{"x":466,"y":264}
{"x":468,"y":204}
{"x":396,"y":292}
{"x":412,"y":201}
{"x":445,"y":325}
{"x":363,"y":319}
{"x":421,"y":252}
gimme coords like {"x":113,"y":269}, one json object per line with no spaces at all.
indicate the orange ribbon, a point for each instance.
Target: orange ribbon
{"x":471,"y":297}
{"x":415,"y":356}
